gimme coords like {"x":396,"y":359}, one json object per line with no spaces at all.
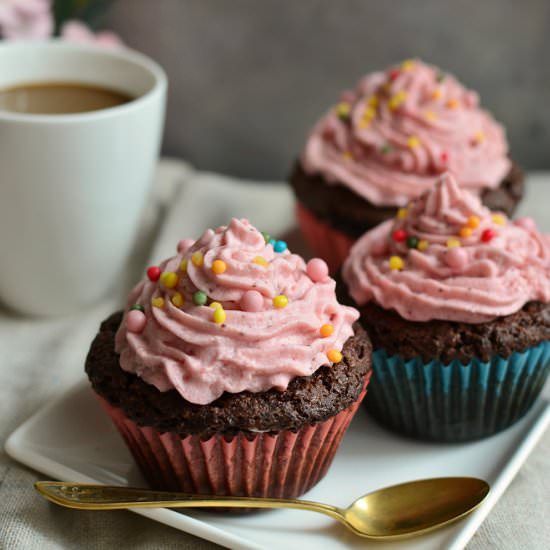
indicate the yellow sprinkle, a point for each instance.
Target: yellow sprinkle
{"x":178,"y":300}
{"x":326,"y":330}
{"x":422,"y":245}
{"x":219,"y":267}
{"x":413,"y":142}
{"x":369,"y":113}
{"x":197,"y":259}
{"x":183,"y":265}
{"x":334,"y":356}
{"x":465,"y":231}
{"x":373,"y":101}
{"x":260,"y":260}
{"x":158,"y":302}
{"x":453,"y":243}
{"x":347,"y":155}
{"x":343,"y":109}
{"x":473,"y":222}
{"x":397,"y":100}
{"x":430,"y":115}
{"x":407,"y":65}
{"x":452,"y":103}
{"x":436,"y":94}
{"x":396,"y":263}
{"x":479,"y":137}
{"x":169,"y":279}
{"x":219,"y":316}
{"x":402,"y":213}
{"x":499,"y":219}
{"x":215,"y":305}
{"x":280,"y":301}
{"x":363,"y":124}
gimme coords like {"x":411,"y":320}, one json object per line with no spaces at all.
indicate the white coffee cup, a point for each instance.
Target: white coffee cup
{"x":73,"y":186}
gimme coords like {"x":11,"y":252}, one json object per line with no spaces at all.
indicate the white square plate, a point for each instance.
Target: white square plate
{"x":72,"y":439}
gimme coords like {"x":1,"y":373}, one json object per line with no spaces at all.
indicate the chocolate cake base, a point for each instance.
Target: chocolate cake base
{"x":307,"y":400}
{"x":344,"y":210}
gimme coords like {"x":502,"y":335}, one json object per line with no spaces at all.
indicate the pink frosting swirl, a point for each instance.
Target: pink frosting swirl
{"x":390,"y":138}
{"x":448,"y":257}
{"x":180,"y":345}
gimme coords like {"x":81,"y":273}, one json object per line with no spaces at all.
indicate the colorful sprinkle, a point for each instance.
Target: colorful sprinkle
{"x":272,"y":242}
{"x":343,"y":110}
{"x":326,"y":330}
{"x":413,"y":142}
{"x":473,"y":222}
{"x":386,"y":149}
{"x":137,"y":307}
{"x":430,"y":115}
{"x":219,"y":316}
{"x":437,"y":93}
{"x":252,"y":301}
{"x":266,"y":236}
{"x":280,"y":301}
{"x":402,"y":213}
{"x":373,"y":101}
{"x":396,"y":263}
{"x":397,"y":100}
{"x":422,"y":245}
{"x":197,"y":258}
{"x":135,"y":321}
{"x":334,"y":356}
{"x":466,"y":232}
{"x":158,"y":302}
{"x":407,"y":65}
{"x":279,"y":246}
{"x":177,"y":299}
{"x":453,"y":243}
{"x":412,"y":242}
{"x":479,"y":137}
{"x":488,"y":235}
{"x":260,"y":260}
{"x":200,"y":298}
{"x":347,"y":155}
{"x":499,"y":219}
{"x":169,"y":279}
{"x":452,"y":103}
{"x":456,"y":258}
{"x":153,"y":273}
{"x":215,"y":305}
{"x":219,"y":267}
{"x":183,"y":265}
{"x":399,"y":235}
{"x":317,"y":270}
{"x":393,"y":74}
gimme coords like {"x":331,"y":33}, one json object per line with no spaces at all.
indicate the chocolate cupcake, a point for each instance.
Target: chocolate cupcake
{"x":456,"y":301}
{"x":386,"y":143}
{"x":233,"y":370}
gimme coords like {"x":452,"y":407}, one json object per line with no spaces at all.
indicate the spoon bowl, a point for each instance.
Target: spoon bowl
{"x":394,"y":512}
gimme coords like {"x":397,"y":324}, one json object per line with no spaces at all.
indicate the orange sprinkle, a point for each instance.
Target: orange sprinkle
{"x":334,"y":356}
{"x":473,"y":222}
{"x":466,"y":231}
{"x":260,"y":260}
{"x":452,"y":103}
{"x":326,"y":330}
{"x":437,"y":93}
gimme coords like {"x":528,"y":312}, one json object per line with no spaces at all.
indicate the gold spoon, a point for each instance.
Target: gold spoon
{"x":394,"y":512}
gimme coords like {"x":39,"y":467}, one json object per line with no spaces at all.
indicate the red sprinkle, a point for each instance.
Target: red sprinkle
{"x":445,"y":157}
{"x":488,"y":235}
{"x":399,"y":235}
{"x":153,"y":273}
{"x":393,"y":74}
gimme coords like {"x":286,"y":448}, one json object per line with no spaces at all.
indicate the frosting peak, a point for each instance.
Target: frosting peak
{"x":234,"y":311}
{"x":390,"y":138}
{"x":445,"y":256}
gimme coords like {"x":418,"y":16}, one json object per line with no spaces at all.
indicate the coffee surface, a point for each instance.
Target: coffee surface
{"x":59,"y":98}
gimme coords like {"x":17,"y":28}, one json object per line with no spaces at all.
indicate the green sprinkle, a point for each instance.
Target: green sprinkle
{"x":266,"y":236}
{"x":386,"y":149}
{"x":412,"y":242}
{"x":138,"y":307}
{"x":200,"y":298}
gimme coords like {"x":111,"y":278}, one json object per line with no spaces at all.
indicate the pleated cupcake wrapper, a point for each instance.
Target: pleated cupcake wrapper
{"x":327,"y":243}
{"x":281,"y":465}
{"x":456,"y":402}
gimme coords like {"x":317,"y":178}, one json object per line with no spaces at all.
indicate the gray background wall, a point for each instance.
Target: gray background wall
{"x":249,"y":77}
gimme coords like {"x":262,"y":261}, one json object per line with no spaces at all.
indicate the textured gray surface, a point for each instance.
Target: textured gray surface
{"x":249,"y":78}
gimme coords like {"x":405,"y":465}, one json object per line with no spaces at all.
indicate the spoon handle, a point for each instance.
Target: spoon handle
{"x":105,"y":497}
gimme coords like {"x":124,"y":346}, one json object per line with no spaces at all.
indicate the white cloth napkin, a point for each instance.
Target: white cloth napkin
{"x":41,"y":358}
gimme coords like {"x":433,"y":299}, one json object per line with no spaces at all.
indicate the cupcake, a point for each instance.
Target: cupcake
{"x":455,"y":299}
{"x":385,"y":144}
{"x":233,"y":369}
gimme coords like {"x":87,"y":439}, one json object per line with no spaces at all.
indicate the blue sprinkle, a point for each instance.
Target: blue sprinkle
{"x":272,"y":242}
{"x":279,"y":246}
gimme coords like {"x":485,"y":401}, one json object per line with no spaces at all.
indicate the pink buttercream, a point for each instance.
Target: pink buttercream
{"x":404,"y":128}
{"x":497,"y":269}
{"x":183,"y":348}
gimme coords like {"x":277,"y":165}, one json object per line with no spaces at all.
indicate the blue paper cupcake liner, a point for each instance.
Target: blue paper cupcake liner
{"x":455,"y":402}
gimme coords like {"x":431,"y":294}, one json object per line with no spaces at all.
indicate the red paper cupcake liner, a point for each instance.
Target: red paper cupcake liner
{"x":327,"y":243}
{"x":280,"y":465}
